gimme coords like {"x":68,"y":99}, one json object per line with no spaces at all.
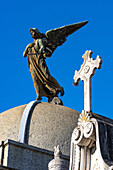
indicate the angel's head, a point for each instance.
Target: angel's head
{"x":36,"y":34}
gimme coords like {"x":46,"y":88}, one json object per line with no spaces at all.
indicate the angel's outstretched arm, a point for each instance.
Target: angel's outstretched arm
{"x":25,"y":53}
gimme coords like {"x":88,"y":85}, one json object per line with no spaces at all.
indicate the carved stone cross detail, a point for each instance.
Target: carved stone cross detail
{"x":85,"y":74}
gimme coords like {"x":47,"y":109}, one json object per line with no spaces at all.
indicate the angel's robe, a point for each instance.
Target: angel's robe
{"x":44,"y":83}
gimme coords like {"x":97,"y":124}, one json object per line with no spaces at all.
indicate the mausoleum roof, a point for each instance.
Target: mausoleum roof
{"x":49,"y":125}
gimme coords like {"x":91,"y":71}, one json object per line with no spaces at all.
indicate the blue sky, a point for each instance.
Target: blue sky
{"x":16,"y":17}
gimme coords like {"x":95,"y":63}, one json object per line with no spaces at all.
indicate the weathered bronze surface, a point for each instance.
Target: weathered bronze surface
{"x":43,"y":47}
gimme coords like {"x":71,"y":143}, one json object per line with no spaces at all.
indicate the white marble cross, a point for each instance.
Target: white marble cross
{"x":85,"y":74}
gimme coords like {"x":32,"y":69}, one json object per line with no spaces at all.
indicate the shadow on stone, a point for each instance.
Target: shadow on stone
{"x":28,"y":123}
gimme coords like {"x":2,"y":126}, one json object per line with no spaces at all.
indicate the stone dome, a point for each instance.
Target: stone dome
{"x":50,"y":125}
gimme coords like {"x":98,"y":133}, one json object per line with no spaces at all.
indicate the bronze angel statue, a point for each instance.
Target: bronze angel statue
{"x":43,"y":47}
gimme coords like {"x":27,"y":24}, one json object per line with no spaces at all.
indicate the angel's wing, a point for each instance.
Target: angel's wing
{"x":57,"y":37}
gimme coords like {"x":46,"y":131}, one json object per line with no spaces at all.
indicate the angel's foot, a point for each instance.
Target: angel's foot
{"x":38,"y":98}
{"x":62,"y":91}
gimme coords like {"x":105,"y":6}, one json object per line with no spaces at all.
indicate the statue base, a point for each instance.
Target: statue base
{"x":55,"y":100}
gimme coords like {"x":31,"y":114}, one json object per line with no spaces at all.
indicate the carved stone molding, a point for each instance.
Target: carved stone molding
{"x":83,"y":138}
{"x":92,"y":144}
{"x":84,"y":133}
